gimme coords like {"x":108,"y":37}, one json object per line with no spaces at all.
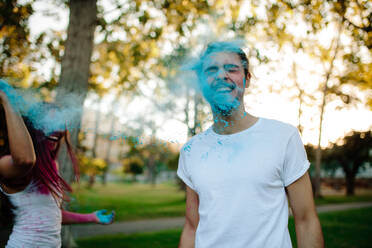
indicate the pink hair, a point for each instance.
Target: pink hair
{"x":45,"y":172}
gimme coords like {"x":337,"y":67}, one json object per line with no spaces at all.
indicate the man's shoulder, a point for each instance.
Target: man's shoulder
{"x":195,"y":141}
{"x":277,"y":126}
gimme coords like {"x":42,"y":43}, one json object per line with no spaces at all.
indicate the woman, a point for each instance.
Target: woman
{"x":31,"y":188}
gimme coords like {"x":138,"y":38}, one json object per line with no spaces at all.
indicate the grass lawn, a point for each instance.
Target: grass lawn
{"x":330,"y":199}
{"x":343,"y":229}
{"x":131,"y":201}
{"x":142,"y":201}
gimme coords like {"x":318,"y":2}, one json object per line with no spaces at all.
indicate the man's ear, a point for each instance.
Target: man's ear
{"x":248,"y":80}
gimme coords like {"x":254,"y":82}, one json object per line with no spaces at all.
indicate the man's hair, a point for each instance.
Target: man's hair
{"x":222,"y":46}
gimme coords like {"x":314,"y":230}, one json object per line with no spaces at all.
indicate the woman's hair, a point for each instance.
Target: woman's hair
{"x":45,"y":172}
{"x":6,"y":207}
{"x":4,"y":147}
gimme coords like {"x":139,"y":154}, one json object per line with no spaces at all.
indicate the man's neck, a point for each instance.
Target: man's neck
{"x":237,"y":121}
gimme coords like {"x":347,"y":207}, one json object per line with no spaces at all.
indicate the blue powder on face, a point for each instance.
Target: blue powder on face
{"x":221,"y":102}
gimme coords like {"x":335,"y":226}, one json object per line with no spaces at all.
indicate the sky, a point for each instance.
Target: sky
{"x":259,"y":100}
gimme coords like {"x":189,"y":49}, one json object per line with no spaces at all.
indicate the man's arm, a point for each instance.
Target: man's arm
{"x":192,"y":219}
{"x":308,"y":229}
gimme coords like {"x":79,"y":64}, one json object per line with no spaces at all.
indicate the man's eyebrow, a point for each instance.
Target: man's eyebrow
{"x":230,"y":66}
{"x":210,"y":68}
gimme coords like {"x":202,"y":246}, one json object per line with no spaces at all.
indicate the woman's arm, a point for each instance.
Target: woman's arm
{"x":22,"y":155}
{"x":98,"y":217}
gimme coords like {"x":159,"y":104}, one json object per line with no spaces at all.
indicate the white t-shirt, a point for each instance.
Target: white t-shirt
{"x":240,"y":180}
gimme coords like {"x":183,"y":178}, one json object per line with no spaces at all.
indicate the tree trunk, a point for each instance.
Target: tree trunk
{"x":350,"y":184}
{"x":152,"y":171}
{"x":197,"y":125}
{"x":108,"y":151}
{"x":318,"y":160}
{"x":92,"y":180}
{"x":187,"y":111}
{"x":73,"y":83}
{"x":97,"y":121}
{"x":300,"y":96}
{"x":96,"y":128}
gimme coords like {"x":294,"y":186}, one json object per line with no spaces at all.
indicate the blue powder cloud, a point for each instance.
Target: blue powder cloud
{"x":43,"y":116}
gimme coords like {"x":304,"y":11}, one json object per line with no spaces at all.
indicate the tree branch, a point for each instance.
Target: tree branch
{"x":366,"y":29}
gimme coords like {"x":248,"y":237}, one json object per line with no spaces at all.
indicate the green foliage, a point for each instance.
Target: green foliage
{"x":92,"y":166}
{"x":132,"y":43}
{"x":148,"y":153}
{"x":20,"y":55}
{"x":353,"y":153}
{"x":354,"y":21}
{"x":173,"y":161}
{"x":14,"y":41}
{"x":133,"y":165}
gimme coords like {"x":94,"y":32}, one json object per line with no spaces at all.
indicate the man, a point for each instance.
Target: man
{"x":241,"y":171}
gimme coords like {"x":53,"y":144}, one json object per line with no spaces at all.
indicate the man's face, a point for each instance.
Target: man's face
{"x":223,"y":81}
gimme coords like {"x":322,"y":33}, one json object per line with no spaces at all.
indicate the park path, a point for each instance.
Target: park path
{"x":128,"y":227}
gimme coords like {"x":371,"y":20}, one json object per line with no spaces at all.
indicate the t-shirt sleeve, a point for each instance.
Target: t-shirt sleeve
{"x":295,"y":160}
{"x":182,"y":172}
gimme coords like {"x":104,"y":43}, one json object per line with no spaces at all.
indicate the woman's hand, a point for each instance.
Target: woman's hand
{"x":103,"y":218}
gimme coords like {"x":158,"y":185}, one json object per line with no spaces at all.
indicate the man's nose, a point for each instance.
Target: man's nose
{"x":221,"y":74}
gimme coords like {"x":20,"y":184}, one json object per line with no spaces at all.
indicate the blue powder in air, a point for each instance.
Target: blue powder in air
{"x":43,"y":116}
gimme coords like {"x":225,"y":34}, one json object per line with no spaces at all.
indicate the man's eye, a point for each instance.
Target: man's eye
{"x":231,"y":68}
{"x":211,"y":70}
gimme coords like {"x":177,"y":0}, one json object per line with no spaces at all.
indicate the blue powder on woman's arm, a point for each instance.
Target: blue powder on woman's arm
{"x":14,"y":98}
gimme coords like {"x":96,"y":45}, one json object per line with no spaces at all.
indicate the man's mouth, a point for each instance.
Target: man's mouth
{"x":224,"y":88}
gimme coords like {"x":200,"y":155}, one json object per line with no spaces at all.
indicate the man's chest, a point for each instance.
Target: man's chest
{"x":225,"y":165}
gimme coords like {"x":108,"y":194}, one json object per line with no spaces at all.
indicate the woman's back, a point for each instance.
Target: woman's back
{"x":37,"y":220}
